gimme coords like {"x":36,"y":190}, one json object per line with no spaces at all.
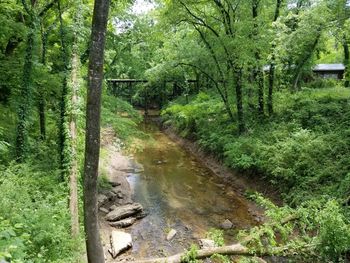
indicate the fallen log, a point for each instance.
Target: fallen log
{"x":236,"y":249}
{"x":232,"y":250}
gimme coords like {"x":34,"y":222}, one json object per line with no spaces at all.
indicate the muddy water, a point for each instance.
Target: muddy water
{"x":179,"y":192}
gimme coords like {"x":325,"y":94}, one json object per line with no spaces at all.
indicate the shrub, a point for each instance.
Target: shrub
{"x":35,"y":222}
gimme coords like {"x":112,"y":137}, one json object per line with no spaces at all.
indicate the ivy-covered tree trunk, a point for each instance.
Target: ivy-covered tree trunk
{"x":25,"y":96}
{"x":41,"y":99}
{"x":92,"y":143}
{"x":64,"y":144}
{"x":272,"y":64}
{"x":74,"y":90}
{"x":258,"y":77}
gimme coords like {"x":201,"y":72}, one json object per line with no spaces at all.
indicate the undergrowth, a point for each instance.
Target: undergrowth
{"x":303,"y":149}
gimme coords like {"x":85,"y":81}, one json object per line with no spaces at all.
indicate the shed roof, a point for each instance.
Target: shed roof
{"x":329,"y":67}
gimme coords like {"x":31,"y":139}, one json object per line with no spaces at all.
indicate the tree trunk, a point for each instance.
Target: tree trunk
{"x":271,"y":85}
{"x":63,"y":131}
{"x":272,"y":65}
{"x":92,"y":142}
{"x":41,"y":102}
{"x":257,"y":72}
{"x":232,"y":250}
{"x":239,"y":100}
{"x":25,"y":97}
{"x":73,"y":174}
{"x":346,"y":63}
{"x":42,"y":117}
{"x":304,"y":59}
{"x":74,"y":88}
{"x":260,"y":82}
{"x":146,"y":101}
{"x":236,"y":249}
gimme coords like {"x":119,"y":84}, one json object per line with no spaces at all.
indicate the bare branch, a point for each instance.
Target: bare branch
{"x":203,"y":23}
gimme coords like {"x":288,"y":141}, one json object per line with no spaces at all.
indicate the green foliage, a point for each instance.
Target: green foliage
{"x":334,"y":231}
{"x":303,"y":149}
{"x":247,"y":260}
{"x":220,"y":258}
{"x":35,"y":224}
{"x":305,"y":146}
{"x":121,"y":116}
{"x":191,"y":255}
{"x":203,"y":119}
{"x":323,"y":231}
{"x":4,"y":146}
{"x":103,"y":183}
{"x":217,"y":236}
{"x":12,"y":241}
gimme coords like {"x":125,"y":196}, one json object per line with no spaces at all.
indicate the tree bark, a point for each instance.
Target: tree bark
{"x":272,"y":65}
{"x":236,"y":249}
{"x":73,"y":174}
{"x":92,"y":141}
{"x":271,"y":86}
{"x":42,"y":117}
{"x":25,"y":97}
{"x":74,"y":87}
{"x":63,"y":131}
{"x":239,"y":100}
{"x":257,"y":72}
{"x":307,"y":55}
{"x":26,"y":90}
{"x":41,"y":102}
{"x":346,"y":63}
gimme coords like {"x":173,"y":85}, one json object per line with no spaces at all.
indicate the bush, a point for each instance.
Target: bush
{"x":121,"y":116}
{"x":303,"y":147}
{"x":35,"y":221}
{"x":334,"y":232}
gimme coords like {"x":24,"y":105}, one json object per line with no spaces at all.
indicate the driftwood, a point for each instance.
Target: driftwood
{"x":232,"y":250}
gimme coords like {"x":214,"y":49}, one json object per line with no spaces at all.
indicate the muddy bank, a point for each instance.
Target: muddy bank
{"x":113,"y":168}
{"x":240,"y":181}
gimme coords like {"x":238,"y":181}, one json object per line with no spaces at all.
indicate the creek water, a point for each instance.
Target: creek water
{"x":179,"y":192}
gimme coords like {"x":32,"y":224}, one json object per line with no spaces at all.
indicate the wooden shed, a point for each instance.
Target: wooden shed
{"x":329,"y":71}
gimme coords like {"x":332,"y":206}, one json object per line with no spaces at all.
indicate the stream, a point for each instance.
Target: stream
{"x":179,"y":192}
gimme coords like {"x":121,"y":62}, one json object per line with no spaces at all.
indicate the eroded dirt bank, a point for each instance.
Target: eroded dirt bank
{"x":241,"y":182}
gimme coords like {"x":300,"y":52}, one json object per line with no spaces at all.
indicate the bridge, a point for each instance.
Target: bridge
{"x":125,"y":88}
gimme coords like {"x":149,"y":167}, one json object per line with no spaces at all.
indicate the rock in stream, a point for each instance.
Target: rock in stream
{"x":123,"y":223}
{"x":125,"y":211}
{"x":120,"y":241}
